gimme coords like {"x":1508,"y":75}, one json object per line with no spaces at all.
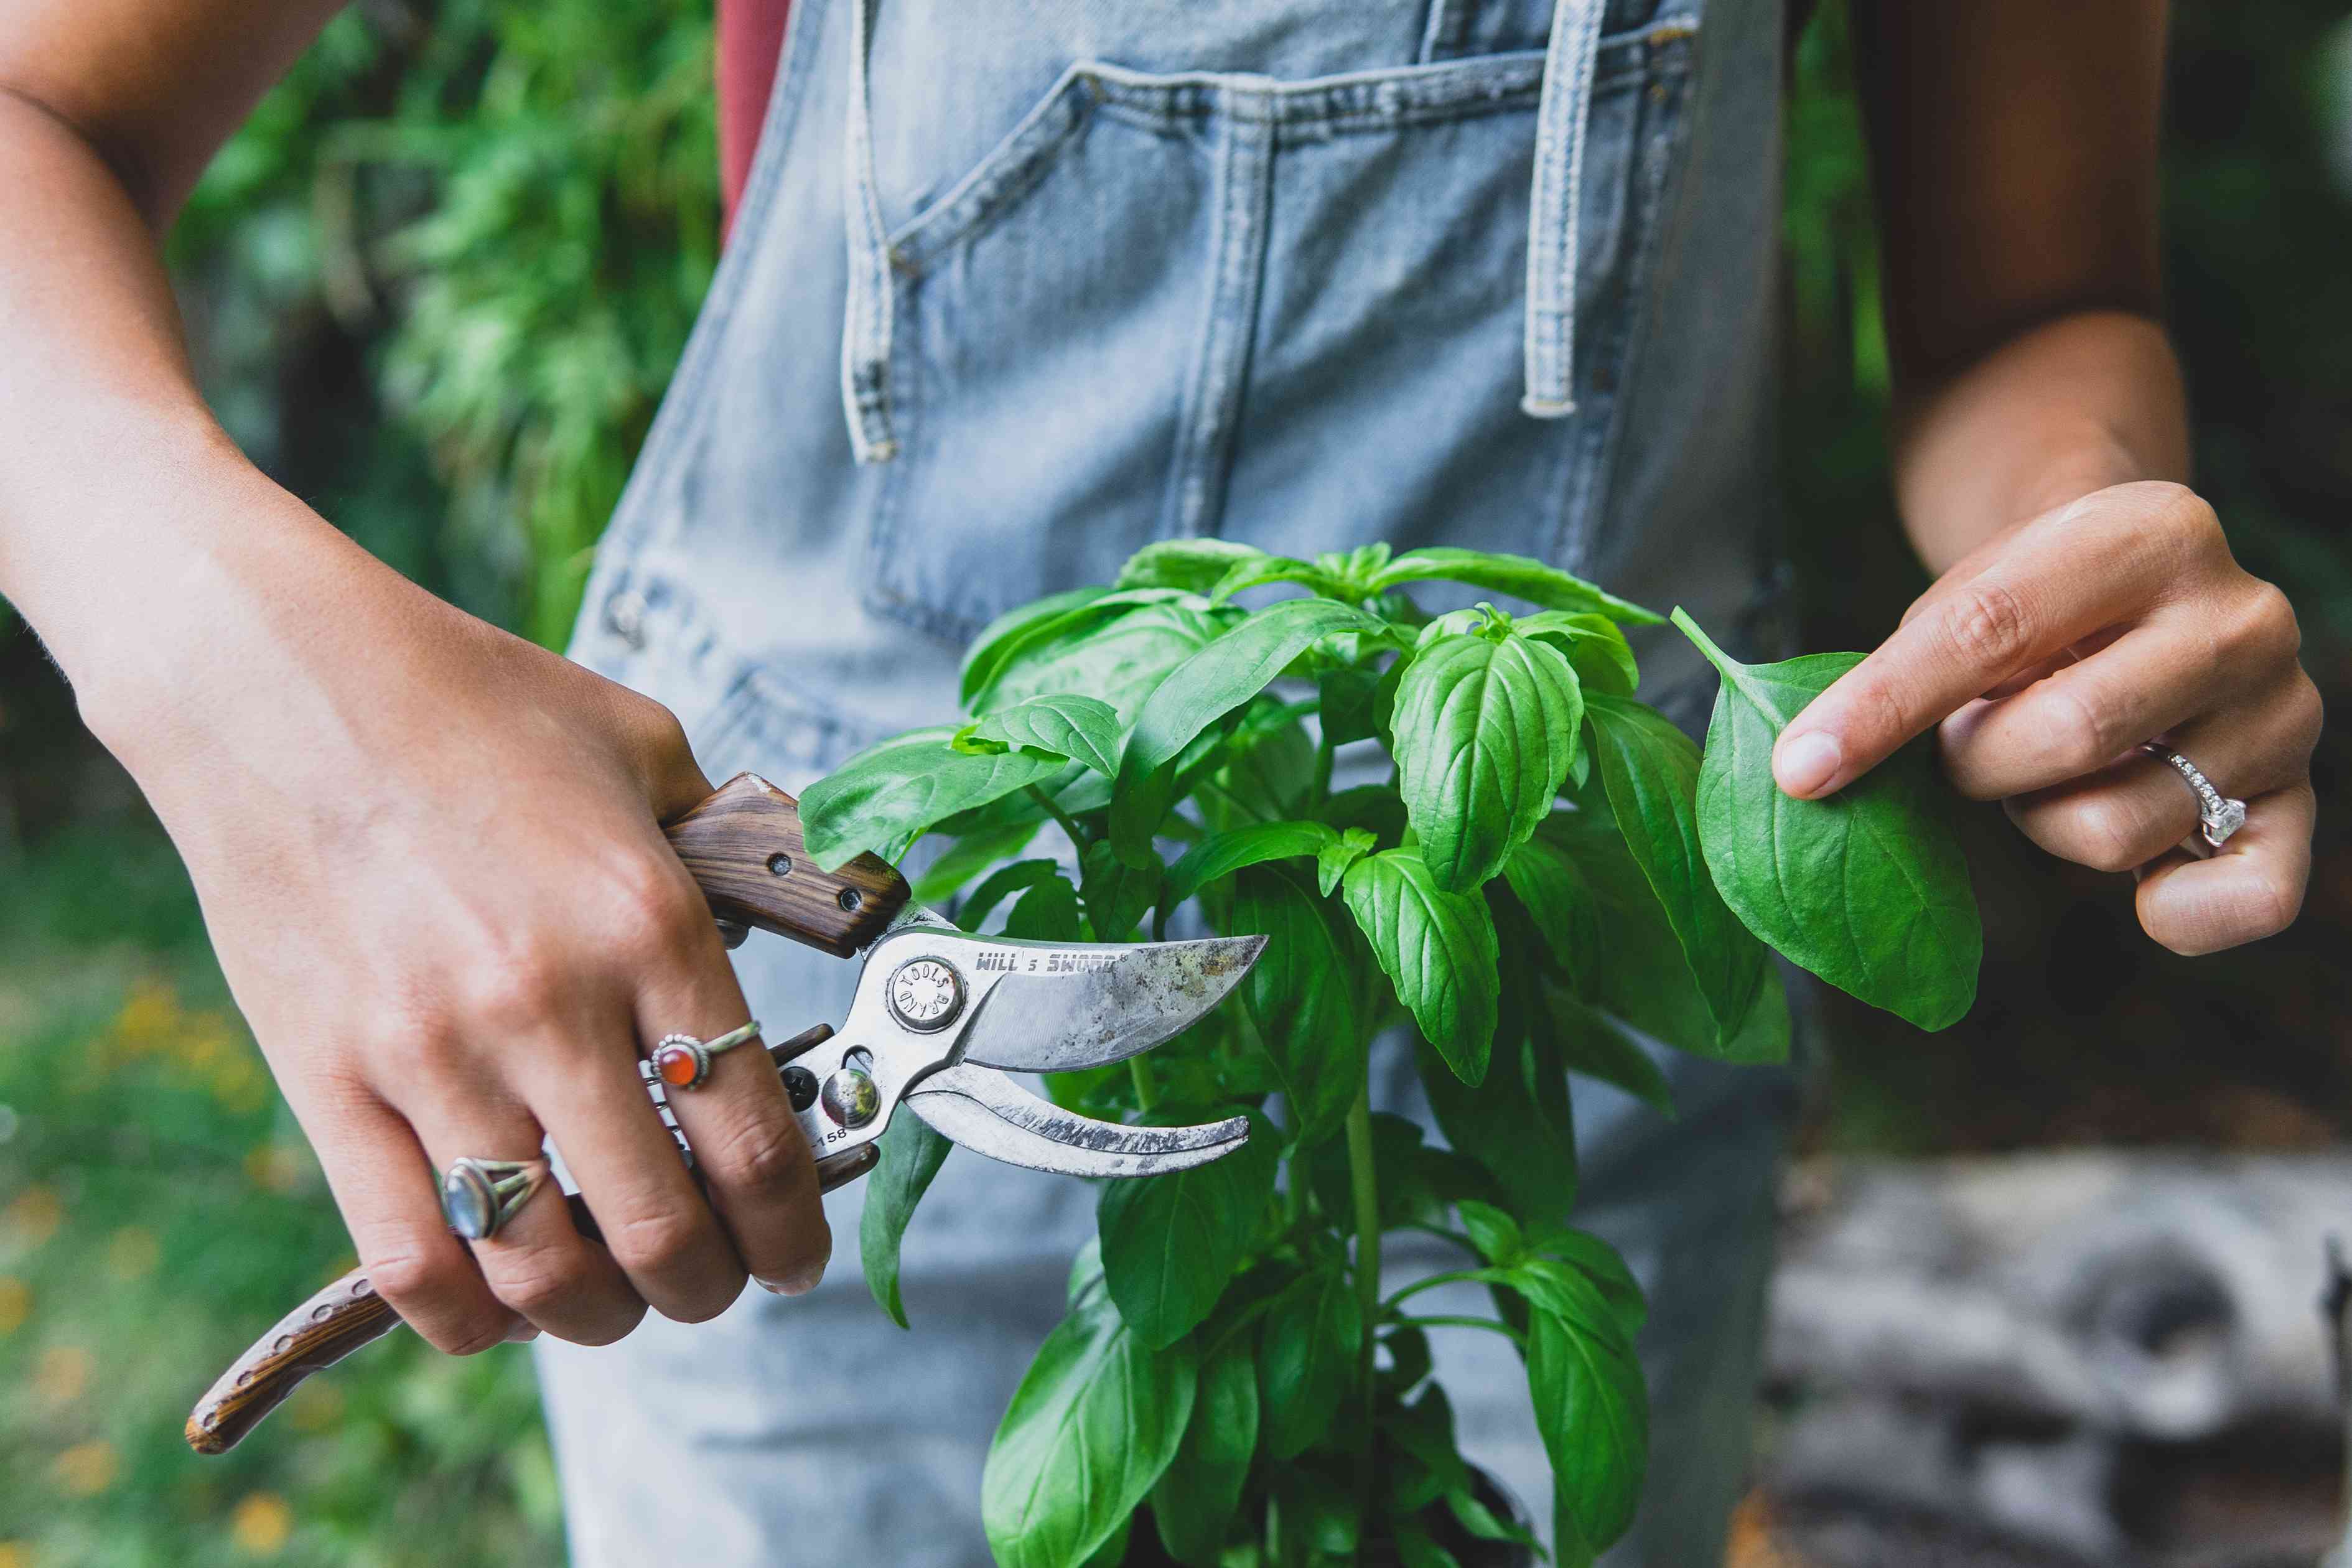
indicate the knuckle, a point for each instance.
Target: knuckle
{"x":2306,"y":715}
{"x":407,"y":1280}
{"x":538,"y":1287}
{"x":2109,"y":836}
{"x":2185,"y":515}
{"x":423,"y":1291}
{"x":657,"y":912}
{"x":663,"y":1243}
{"x":765,"y":1155}
{"x":1990,"y":626}
{"x":2267,"y":629}
{"x":518,"y":987}
{"x":2089,"y":732}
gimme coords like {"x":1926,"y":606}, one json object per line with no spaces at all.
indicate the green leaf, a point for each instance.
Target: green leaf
{"x":902,"y":787}
{"x":1483,"y":732}
{"x":1170,"y":1243}
{"x":1046,"y":912}
{"x":911,"y":1153}
{"x":1347,"y":704}
{"x":1112,"y":1553}
{"x":1302,"y":996}
{"x":1416,"y":1547}
{"x":1118,"y":656}
{"x":1268,"y":569}
{"x":1518,"y":575}
{"x":1651,"y":771}
{"x":1306,"y":1359}
{"x":999,"y":638}
{"x":1601,"y":1264}
{"x":1599,"y":651}
{"x":1092,"y":1426}
{"x":1377,"y":809}
{"x":1221,"y":853}
{"x":970,"y":856}
{"x":1438,"y":949}
{"x":1586,"y":1041}
{"x":1514,"y":1124}
{"x":1083,"y":729}
{"x":1000,"y":885}
{"x":1868,"y":887}
{"x":1203,"y":689}
{"x":1561,"y":905}
{"x":1198,"y":1495}
{"x":1118,"y":895}
{"x":1193,"y":564}
{"x":1591,"y":1405}
{"x":1496,"y":1235}
{"x":1331,"y":861}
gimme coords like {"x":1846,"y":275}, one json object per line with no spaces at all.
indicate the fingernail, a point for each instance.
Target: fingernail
{"x":523,"y":1333}
{"x":1805,"y":764}
{"x":799,"y":1284}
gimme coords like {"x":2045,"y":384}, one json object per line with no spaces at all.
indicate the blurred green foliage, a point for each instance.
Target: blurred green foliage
{"x":436,"y":288}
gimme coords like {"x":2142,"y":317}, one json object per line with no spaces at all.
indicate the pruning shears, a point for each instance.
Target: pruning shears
{"x":939,"y":1018}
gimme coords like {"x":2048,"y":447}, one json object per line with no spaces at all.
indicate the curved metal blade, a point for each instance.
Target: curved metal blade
{"x":1130,"y":997}
{"x":987,"y":1112}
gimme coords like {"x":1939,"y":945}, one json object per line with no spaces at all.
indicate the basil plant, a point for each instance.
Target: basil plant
{"x":1544,"y":867}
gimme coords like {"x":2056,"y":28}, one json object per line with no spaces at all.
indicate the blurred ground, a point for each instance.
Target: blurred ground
{"x":437,"y":287}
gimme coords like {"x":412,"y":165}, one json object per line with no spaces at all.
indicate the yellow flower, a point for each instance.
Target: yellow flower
{"x":240,"y":1086}
{"x":62,"y":1374}
{"x":16,"y":1306}
{"x":131,"y":1253}
{"x":262,"y":1523}
{"x":151,"y":1016}
{"x":16,"y":1554}
{"x":36,"y":1214}
{"x":277,"y":1167}
{"x":87,"y":1468}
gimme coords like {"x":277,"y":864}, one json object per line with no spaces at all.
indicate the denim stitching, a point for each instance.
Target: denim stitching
{"x":1213,"y":403}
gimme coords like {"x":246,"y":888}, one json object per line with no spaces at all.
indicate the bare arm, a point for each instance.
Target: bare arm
{"x":2087,"y":600}
{"x":429,"y":853}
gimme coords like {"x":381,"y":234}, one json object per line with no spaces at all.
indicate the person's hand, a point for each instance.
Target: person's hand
{"x":430,"y":857}
{"x":2054,"y":650}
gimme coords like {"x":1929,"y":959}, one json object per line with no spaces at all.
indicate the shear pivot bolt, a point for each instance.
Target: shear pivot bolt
{"x":800,"y":1086}
{"x":926,"y":995}
{"x":851,"y":1098}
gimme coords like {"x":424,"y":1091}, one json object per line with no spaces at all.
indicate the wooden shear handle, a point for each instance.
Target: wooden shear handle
{"x":743,"y":844}
{"x":348,"y":1313}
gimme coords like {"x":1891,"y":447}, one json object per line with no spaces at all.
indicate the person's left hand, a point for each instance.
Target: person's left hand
{"x":2050,"y":652}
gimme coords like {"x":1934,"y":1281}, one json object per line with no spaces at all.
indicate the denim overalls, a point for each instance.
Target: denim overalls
{"x":1017,"y":289}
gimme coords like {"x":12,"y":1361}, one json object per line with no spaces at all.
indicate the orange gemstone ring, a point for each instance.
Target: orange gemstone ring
{"x":681,"y":1061}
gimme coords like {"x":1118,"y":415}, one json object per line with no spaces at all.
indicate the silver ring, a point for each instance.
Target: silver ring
{"x":2218,"y":816}
{"x":681,"y":1061}
{"x":479,"y":1196}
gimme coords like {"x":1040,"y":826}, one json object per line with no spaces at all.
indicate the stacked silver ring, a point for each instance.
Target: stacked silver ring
{"x":2218,"y":816}
{"x":479,"y":1196}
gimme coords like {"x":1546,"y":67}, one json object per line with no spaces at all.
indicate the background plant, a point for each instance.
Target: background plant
{"x":1230,"y":1361}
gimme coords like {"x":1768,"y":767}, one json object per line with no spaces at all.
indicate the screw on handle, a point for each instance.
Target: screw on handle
{"x":349,"y":1314}
{"x":743,"y":844}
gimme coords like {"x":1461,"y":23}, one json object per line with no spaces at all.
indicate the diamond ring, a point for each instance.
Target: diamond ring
{"x":2218,"y":816}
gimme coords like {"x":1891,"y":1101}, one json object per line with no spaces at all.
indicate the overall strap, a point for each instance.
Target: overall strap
{"x":865,"y":334}
{"x":1553,"y":209}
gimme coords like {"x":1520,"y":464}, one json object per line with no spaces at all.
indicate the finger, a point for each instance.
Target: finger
{"x":536,"y":1262}
{"x":2126,"y":815}
{"x":2080,"y":718}
{"x":747,"y":1141}
{"x":2252,"y":889}
{"x":2058,"y":581}
{"x":382,"y":1181}
{"x":656,"y":1221}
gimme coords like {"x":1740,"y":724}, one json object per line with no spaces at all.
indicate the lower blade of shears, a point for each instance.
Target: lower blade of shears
{"x":989,"y":1113}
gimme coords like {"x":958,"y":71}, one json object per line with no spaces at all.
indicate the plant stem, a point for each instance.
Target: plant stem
{"x":1147,"y":1092}
{"x":1068,"y":824}
{"x":1363,"y":1182}
{"x":1323,"y":750}
{"x":1451,"y":1276}
{"x":1455,"y":1320}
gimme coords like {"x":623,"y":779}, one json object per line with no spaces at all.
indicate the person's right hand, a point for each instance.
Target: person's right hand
{"x":430,"y":857}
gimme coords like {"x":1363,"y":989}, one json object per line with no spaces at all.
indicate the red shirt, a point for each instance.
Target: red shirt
{"x":750,"y":36}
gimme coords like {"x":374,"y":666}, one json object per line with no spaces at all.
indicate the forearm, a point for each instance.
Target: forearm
{"x":2065,"y":408}
{"x":128,"y":520}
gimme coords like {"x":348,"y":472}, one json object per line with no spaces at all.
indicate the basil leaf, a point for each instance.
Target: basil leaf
{"x":1270,"y":771}
{"x":1560,"y":903}
{"x":1221,"y":853}
{"x":1171,"y":1244}
{"x":1094,"y":1422}
{"x":1302,"y":996}
{"x":1118,"y":895}
{"x":1377,"y":809}
{"x":1646,"y":981}
{"x":1416,"y":1547}
{"x":1198,"y":1493}
{"x":1599,"y":651}
{"x":1516,"y":1124}
{"x":1193,"y":564}
{"x":1586,"y":1041}
{"x":970,"y":855}
{"x":1331,"y":861}
{"x":1651,"y":771}
{"x":1268,"y":569}
{"x":1347,"y":704}
{"x":1591,"y":1405}
{"x":1518,"y":575}
{"x":1438,"y":949}
{"x":1601,"y":1264}
{"x":1001,"y":636}
{"x":911,"y":1153}
{"x":1495,"y":1234}
{"x":1868,"y":887}
{"x":1306,"y":1359}
{"x":1483,"y":732}
{"x":1083,"y":729}
{"x":1116,"y":656}
{"x":903,"y":786}
{"x":1201,"y":690}
{"x":1000,"y":885}
{"x":1046,"y":912}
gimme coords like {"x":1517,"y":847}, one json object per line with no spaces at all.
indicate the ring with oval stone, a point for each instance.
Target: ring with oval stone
{"x":681,"y":1061}
{"x":479,"y":1196}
